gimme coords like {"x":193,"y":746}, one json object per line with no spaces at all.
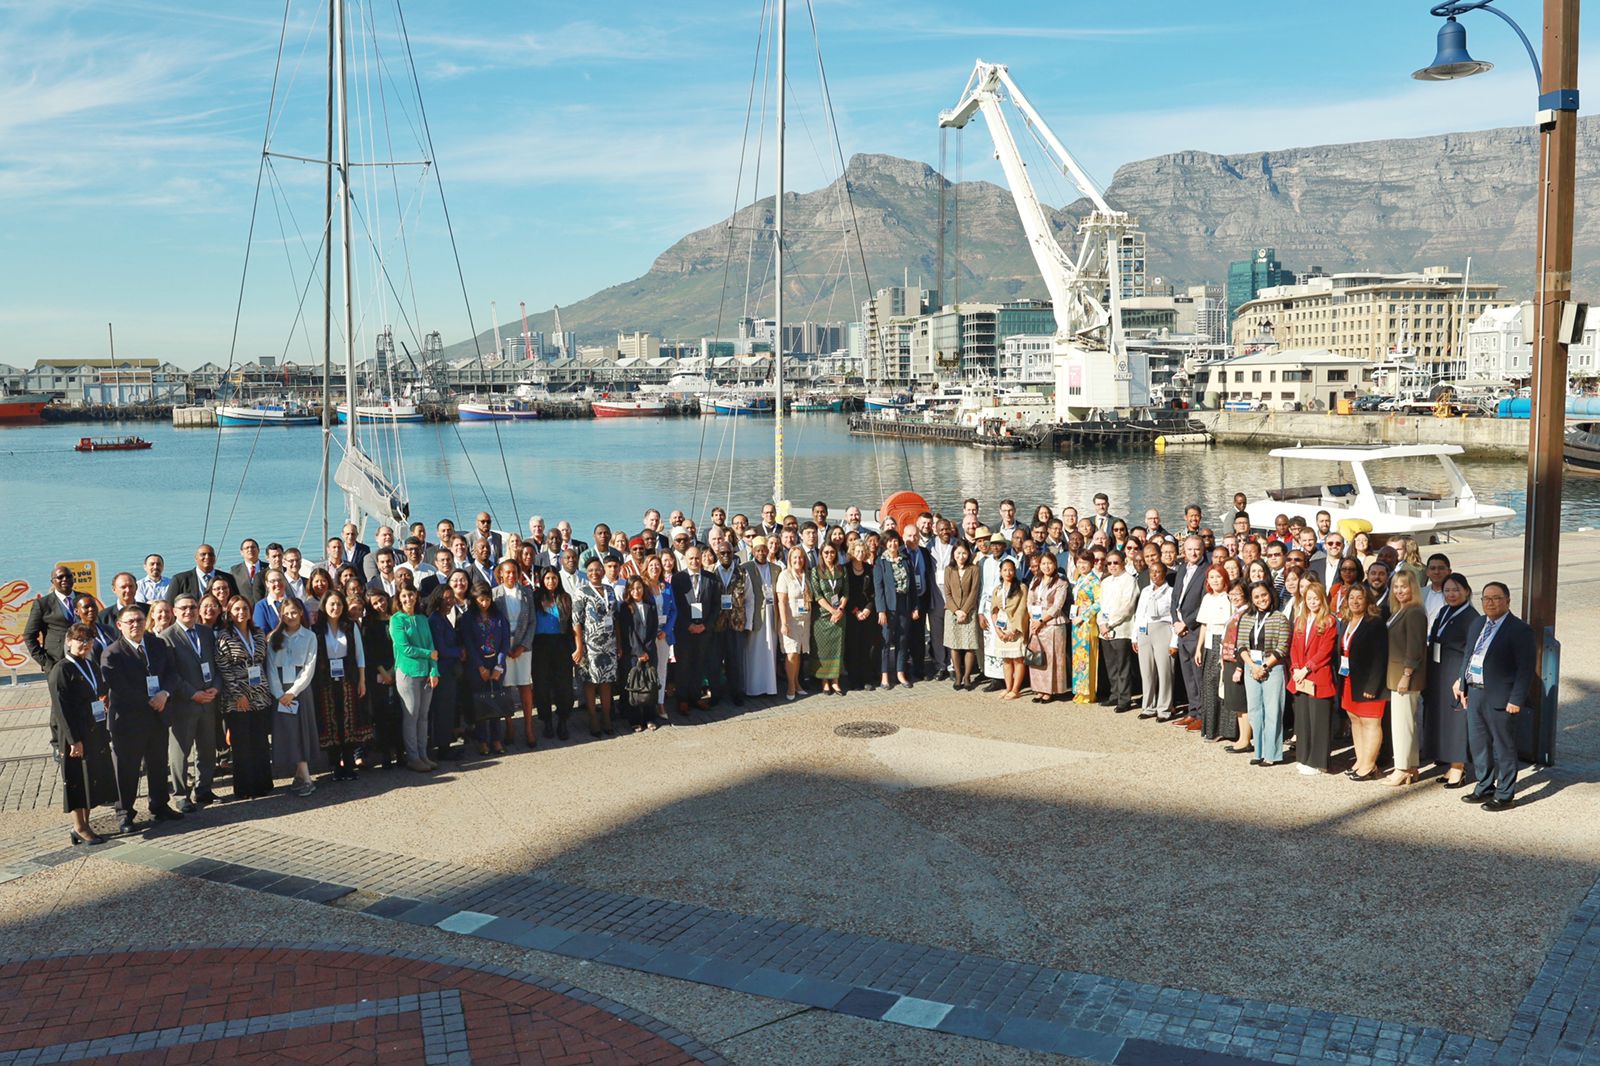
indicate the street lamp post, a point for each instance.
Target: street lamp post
{"x":1557,"y":121}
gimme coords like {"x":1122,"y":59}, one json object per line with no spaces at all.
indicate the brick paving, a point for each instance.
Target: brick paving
{"x":270,"y":1003}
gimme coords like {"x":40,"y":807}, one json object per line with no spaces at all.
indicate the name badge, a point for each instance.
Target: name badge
{"x":694,"y":612}
{"x":1438,"y":651}
{"x":1344,"y":666}
{"x":938,"y":578}
{"x":727,"y":602}
{"x":1036,"y":612}
{"x":253,"y":674}
{"x":1475,"y":669}
{"x":769,"y":593}
{"x":293,"y":707}
{"x":99,"y":709}
{"x":800,"y":607}
{"x":336,"y":669}
{"x":205,"y":672}
{"x":1144,"y":630}
{"x":152,"y":685}
{"x":999,"y":621}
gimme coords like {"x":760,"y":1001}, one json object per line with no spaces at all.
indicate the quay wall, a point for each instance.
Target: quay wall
{"x":1497,"y":437}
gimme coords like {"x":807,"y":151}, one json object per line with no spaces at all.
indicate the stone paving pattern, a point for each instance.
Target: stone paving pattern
{"x":1082,"y":1015}
{"x":274,"y":1003}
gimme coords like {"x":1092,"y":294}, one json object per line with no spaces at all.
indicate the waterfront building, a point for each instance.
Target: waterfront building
{"x":638,"y":345}
{"x":893,"y":311}
{"x":1369,"y":315}
{"x":1247,"y":277}
{"x":1283,"y":379}
{"x":1028,"y":359}
{"x":1500,"y":348}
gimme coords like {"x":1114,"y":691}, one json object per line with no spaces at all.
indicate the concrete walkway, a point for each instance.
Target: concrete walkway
{"x":1203,"y":895}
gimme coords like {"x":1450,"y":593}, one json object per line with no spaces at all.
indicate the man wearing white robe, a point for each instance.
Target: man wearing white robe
{"x":761,"y":614}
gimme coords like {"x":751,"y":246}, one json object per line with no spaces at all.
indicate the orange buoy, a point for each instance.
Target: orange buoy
{"x":904,"y":507}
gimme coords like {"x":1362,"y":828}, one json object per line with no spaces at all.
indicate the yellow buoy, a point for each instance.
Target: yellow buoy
{"x":1161,"y":444}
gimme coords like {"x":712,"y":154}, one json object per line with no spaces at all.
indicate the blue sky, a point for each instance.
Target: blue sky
{"x":578,"y":141}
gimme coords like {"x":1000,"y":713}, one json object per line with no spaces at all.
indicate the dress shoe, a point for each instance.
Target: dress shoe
{"x":1370,"y":775}
{"x":1475,"y":797}
{"x":166,"y":814}
{"x":1258,"y":762}
{"x":1122,"y":710}
{"x":186,"y":806}
{"x":1499,"y":804}
{"x":1193,"y":726}
{"x":205,"y":799}
{"x":127,"y":825}
{"x":1145,"y":714}
{"x":417,"y":765}
{"x":1447,"y":783}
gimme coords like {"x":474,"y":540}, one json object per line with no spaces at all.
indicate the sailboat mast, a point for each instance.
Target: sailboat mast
{"x":777,"y":301}
{"x":340,"y":76}
{"x":327,"y":289}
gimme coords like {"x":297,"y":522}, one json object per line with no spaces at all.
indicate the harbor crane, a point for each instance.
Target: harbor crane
{"x":527,"y":338}
{"x":1094,"y":374}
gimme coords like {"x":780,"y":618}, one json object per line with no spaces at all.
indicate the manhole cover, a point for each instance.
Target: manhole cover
{"x":865,"y":730}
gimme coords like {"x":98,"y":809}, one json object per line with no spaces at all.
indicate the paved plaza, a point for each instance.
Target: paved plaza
{"x":973,"y":882}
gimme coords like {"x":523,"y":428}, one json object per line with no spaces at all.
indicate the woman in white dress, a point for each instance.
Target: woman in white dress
{"x":761,"y":618}
{"x":794,"y":616}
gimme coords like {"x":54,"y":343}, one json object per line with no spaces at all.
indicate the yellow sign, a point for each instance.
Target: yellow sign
{"x":85,"y":576}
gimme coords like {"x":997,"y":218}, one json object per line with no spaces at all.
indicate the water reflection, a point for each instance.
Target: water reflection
{"x":609,"y":470}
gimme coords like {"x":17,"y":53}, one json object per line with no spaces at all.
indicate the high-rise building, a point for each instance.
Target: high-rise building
{"x":1130,"y":264}
{"x":1247,"y":277}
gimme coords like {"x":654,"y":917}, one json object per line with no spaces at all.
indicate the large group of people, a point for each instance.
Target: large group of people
{"x":1284,"y":644}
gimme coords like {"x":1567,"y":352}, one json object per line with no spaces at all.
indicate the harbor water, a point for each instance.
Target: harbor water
{"x":220,"y":486}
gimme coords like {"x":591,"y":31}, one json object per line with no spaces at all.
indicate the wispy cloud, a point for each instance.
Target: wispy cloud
{"x":1043,"y":32}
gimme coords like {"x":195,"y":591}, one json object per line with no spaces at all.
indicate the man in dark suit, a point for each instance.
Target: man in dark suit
{"x":1493,"y":686}
{"x":189,"y":714}
{"x":126,"y":589}
{"x":137,"y":673}
{"x":383,"y":538}
{"x":354,"y":551}
{"x":49,"y":619}
{"x":485,"y":531}
{"x":698,"y":596}
{"x":250,"y":576}
{"x":195,"y":582}
{"x":919,"y":566}
{"x":1102,"y":519}
{"x":1188,"y":589}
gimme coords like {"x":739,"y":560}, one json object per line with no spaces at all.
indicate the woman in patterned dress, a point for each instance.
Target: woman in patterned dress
{"x":595,"y":610}
{"x":829,"y":592}
{"x":1085,"y":630}
{"x":242,"y":660}
{"x":1047,"y":610}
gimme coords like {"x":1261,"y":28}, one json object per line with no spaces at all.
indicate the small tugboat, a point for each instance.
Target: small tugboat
{"x":111,"y":444}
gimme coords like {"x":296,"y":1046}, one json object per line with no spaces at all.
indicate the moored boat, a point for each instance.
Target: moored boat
{"x":381,"y":413}
{"x":817,"y":405}
{"x":743,"y":404}
{"x":1581,"y":448}
{"x":22,"y":407}
{"x":886,"y":403}
{"x":495,"y":411}
{"x":111,"y":444}
{"x":607,"y":407}
{"x":266,"y":414}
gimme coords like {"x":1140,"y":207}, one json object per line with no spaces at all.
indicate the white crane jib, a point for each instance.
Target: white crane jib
{"x":1092,"y":367}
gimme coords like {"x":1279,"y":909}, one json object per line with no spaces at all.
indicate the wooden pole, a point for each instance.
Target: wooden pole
{"x":1557,"y":186}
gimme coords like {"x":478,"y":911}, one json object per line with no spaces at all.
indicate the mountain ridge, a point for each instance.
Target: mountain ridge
{"x":1388,"y":205}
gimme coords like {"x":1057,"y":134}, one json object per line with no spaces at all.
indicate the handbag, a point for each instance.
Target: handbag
{"x":643,"y":684}
{"x":1033,"y":656}
{"x":497,"y":702}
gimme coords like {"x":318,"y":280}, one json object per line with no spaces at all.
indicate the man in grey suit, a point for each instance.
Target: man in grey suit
{"x":251,"y":575}
{"x":1496,"y":675}
{"x":189,"y":713}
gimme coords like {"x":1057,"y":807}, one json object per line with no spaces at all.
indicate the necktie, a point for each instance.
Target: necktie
{"x":1485,"y":637}
{"x":194,"y":641}
{"x":142,"y":656}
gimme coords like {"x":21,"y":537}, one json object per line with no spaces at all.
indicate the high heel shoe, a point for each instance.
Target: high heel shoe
{"x":1370,"y":775}
{"x":90,"y":839}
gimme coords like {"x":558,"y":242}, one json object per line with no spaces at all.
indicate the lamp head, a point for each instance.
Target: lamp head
{"x":1452,"y":60}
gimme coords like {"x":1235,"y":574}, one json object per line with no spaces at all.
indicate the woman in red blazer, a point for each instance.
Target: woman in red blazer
{"x":1311,"y":651}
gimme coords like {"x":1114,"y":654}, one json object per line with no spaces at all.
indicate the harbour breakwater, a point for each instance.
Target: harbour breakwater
{"x":1498,"y":438}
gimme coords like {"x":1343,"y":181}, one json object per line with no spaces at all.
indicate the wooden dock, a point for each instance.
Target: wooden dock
{"x":937,"y":432}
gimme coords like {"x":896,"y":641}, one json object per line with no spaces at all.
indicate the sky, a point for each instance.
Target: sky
{"x":577,"y":142}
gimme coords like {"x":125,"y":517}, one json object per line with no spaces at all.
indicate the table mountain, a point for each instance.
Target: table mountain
{"x":1379,"y":205}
